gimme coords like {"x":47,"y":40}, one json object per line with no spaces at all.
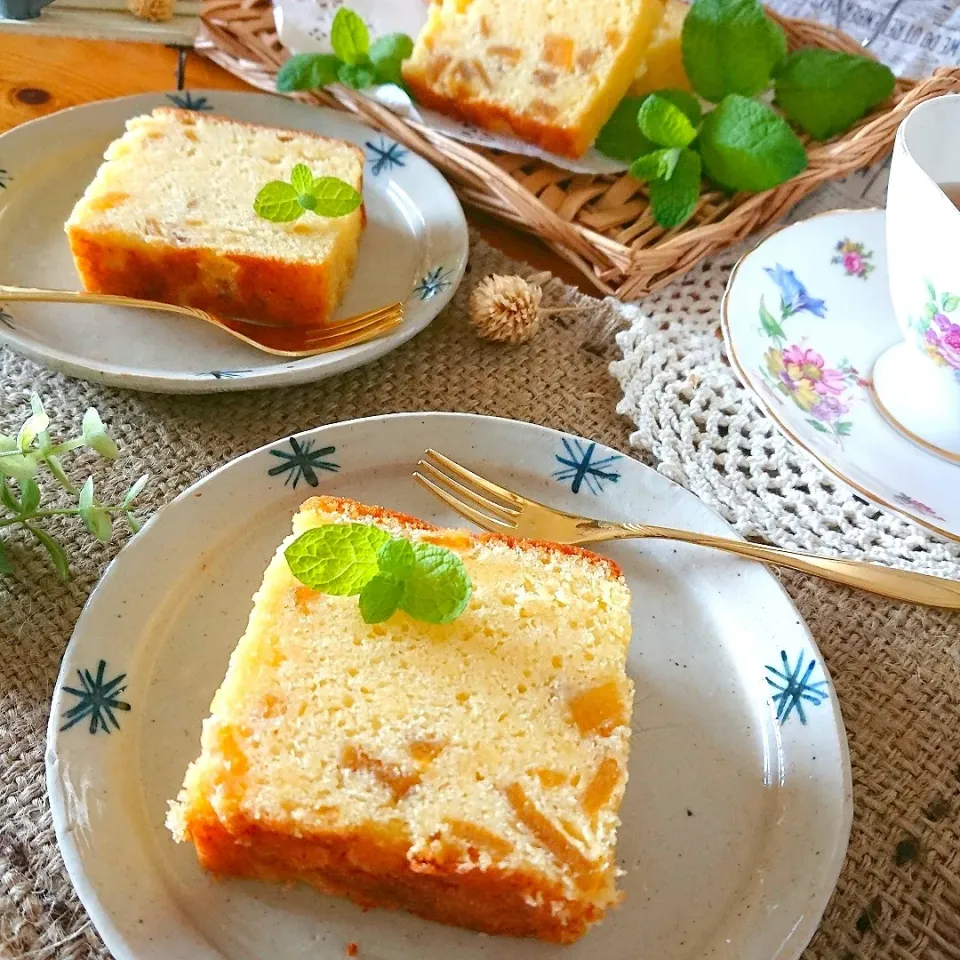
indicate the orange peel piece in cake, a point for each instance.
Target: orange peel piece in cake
{"x":599,"y":710}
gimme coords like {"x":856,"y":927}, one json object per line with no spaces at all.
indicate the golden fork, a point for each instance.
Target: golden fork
{"x":279,"y":341}
{"x":500,"y":510}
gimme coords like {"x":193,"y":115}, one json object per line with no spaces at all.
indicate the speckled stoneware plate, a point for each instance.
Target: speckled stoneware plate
{"x":737,"y":815}
{"x":414,"y":249}
{"x":805,"y":317}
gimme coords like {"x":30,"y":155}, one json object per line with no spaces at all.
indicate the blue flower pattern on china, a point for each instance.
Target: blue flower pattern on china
{"x":6,"y":319}
{"x":302,"y":462}
{"x":432,"y":284}
{"x":5,"y":178}
{"x":384,"y":155}
{"x":229,"y":374}
{"x":793,"y":294}
{"x":578,"y":466}
{"x":98,"y":699}
{"x":187,"y":101}
{"x":793,"y":687}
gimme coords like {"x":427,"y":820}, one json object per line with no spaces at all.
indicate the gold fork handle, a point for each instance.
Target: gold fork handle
{"x":885,"y":581}
{"x":36,"y":295}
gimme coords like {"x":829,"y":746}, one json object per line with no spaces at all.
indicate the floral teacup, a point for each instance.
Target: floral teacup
{"x":917,"y":382}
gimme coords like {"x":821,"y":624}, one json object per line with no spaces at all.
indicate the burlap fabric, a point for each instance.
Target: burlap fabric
{"x":895,"y":667}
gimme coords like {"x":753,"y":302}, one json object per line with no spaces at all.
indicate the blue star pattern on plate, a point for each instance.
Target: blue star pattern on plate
{"x":302,"y":463}
{"x":5,"y":178}
{"x":794,"y":688}
{"x":435,"y":281}
{"x":6,"y":319}
{"x":579,"y":467}
{"x":384,"y":156}
{"x":97,"y":699}
{"x":228,"y":374}
{"x":187,"y":101}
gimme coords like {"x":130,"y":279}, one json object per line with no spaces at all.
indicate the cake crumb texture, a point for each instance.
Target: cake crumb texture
{"x":470,"y":773}
{"x":547,"y":71}
{"x":169,"y":217}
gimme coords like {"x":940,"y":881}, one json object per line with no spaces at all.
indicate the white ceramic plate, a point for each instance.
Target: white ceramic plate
{"x":737,"y":815}
{"x":414,"y":249}
{"x":807,"y":357}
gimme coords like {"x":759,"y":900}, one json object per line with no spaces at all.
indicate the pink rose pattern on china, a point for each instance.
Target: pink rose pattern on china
{"x":824,"y":392}
{"x":939,"y":333}
{"x":854,"y":257}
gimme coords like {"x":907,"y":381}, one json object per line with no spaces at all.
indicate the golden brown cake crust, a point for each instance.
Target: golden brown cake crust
{"x":563,"y":141}
{"x":265,"y":289}
{"x":371,"y":868}
{"x":268,"y":290}
{"x":360,"y":511}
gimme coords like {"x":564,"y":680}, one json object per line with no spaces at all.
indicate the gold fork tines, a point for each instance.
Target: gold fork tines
{"x":275,"y":340}
{"x":500,"y":510}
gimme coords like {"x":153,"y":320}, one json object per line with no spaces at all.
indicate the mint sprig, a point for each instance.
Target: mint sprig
{"x":282,"y":202}
{"x":428,"y":582}
{"x":355,"y":62}
{"x":731,"y":52}
{"x":824,"y":92}
{"x":33,"y":454}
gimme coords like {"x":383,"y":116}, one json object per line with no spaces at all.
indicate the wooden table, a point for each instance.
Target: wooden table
{"x":43,"y":75}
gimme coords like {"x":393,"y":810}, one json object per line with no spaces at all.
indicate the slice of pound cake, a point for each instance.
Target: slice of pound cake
{"x":469,"y":772}
{"x":170,"y":217}
{"x":550,"y":73}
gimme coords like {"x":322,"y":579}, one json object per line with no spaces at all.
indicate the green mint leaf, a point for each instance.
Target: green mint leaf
{"x":664,"y":123}
{"x":391,"y":46}
{"x":5,"y":565}
{"x":135,"y":490}
{"x":334,"y":197}
{"x":337,"y":558}
{"x":380,"y":598}
{"x":57,"y":554}
{"x":745,"y":145}
{"x":277,"y":202}
{"x":29,"y":496}
{"x":349,"y":36}
{"x":132,"y":522}
{"x":620,"y":137}
{"x":85,"y":500}
{"x":356,"y":76}
{"x":34,"y":424}
{"x":656,"y":165}
{"x":301,"y":179}
{"x":98,"y":522}
{"x":96,"y":437}
{"x":397,"y":558}
{"x":825,"y":92}
{"x":438,"y":588}
{"x":387,"y":55}
{"x":729,"y":46}
{"x":687,"y":102}
{"x":307,"y":71}
{"x":673,"y":201}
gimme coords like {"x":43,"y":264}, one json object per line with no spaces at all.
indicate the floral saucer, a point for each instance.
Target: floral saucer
{"x":805,"y":317}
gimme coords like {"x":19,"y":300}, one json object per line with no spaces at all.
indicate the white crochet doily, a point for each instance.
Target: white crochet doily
{"x":704,"y":431}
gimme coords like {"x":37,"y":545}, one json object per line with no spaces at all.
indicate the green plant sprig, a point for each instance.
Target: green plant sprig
{"x":732,"y":53}
{"x":33,"y":453}
{"x":427,"y":582}
{"x":355,"y":62}
{"x":281,"y":202}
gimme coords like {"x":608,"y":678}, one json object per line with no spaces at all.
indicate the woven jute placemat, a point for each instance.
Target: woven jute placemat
{"x":896,"y":668}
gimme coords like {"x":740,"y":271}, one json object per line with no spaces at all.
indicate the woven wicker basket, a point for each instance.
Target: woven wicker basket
{"x":601,"y":224}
